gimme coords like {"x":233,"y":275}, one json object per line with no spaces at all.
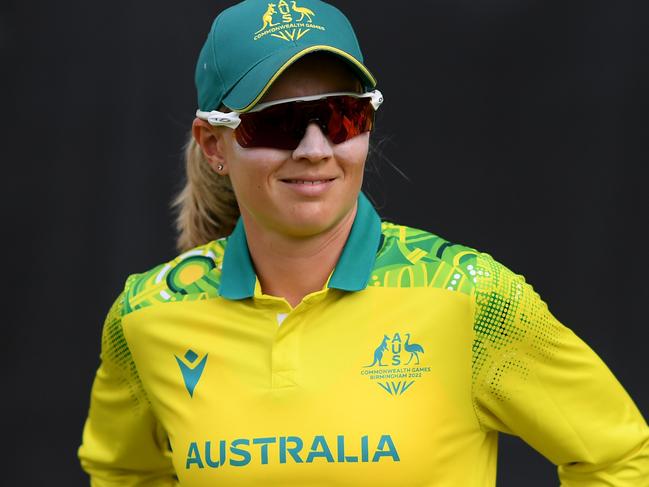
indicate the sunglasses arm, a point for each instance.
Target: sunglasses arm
{"x":216,"y":118}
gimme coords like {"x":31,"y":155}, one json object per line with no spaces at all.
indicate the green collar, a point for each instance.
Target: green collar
{"x":352,"y":272}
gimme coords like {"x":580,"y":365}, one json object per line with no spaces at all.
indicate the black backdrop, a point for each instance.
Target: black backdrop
{"x":521,"y":128}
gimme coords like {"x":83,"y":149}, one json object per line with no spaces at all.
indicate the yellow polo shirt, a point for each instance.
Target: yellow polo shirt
{"x":400,"y":372}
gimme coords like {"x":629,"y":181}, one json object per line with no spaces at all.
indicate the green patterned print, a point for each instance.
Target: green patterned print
{"x":513,"y":327}
{"x":415,"y":258}
{"x":115,"y":353}
{"x":194,"y":275}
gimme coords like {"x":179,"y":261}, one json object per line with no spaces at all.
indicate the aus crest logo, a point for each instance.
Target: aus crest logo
{"x":286,"y":23}
{"x":396,"y":363}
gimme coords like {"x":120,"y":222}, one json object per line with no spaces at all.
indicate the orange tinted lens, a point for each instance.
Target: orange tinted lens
{"x":350,"y":117}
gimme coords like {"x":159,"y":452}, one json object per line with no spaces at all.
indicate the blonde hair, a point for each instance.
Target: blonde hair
{"x":206,"y":207}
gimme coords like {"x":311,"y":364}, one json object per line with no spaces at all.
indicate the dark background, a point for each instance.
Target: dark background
{"x":521,"y":127}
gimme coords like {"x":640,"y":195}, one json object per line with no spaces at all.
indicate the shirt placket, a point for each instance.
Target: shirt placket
{"x":285,"y":344}
{"x":285,"y":352}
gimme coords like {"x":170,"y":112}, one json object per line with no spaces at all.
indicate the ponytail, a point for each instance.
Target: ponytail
{"x":206,"y":207}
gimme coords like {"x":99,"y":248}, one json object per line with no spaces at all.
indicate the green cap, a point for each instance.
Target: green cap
{"x":251,"y":43}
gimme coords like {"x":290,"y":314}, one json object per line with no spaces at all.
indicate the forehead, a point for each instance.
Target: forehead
{"x":312,"y":75}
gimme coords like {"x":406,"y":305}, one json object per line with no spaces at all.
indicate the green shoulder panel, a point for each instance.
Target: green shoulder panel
{"x":508,"y":313}
{"x":414,"y":258}
{"x":193,"y":275}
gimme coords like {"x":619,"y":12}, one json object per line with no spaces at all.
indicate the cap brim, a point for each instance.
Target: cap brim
{"x":255,"y":83}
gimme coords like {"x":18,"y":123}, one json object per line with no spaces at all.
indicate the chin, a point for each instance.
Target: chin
{"x":306,"y":227}
{"x":308,"y":222}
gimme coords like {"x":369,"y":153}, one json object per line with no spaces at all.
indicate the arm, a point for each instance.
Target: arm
{"x":123,"y":444}
{"x":536,"y":379}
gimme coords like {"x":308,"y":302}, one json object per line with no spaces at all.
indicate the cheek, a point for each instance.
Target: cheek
{"x":352,"y":154}
{"x":251,"y":169}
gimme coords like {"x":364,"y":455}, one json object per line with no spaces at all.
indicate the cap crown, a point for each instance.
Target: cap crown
{"x":252,"y":42}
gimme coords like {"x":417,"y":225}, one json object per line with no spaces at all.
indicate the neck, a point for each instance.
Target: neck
{"x":292,"y":267}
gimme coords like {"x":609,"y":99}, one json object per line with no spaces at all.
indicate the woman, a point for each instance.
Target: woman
{"x":317,"y":345}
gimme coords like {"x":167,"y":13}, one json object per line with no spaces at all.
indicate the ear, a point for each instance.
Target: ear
{"x":212,"y":143}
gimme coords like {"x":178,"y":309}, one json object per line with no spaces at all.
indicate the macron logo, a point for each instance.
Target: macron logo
{"x":191,"y":369}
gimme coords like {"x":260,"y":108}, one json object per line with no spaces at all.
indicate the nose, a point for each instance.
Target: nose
{"x":314,"y":146}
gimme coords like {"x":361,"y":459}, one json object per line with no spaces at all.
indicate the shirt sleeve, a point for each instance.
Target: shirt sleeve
{"x":123,"y":444}
{"x":534,"y":378}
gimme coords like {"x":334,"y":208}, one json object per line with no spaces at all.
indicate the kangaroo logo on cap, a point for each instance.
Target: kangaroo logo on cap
{"x":286,"y":23}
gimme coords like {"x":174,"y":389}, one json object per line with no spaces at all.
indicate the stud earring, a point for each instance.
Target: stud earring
{"x":219,"y":167}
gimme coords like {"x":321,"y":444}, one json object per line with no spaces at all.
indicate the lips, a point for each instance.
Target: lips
{"x":309,"y":187}
{"x":311,"y":182}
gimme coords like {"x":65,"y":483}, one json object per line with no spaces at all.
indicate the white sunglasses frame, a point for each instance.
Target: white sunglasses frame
{"x":232,"y":120}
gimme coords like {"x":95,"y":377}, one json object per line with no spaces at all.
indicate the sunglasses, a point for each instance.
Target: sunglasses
{"x":282,"y":124}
